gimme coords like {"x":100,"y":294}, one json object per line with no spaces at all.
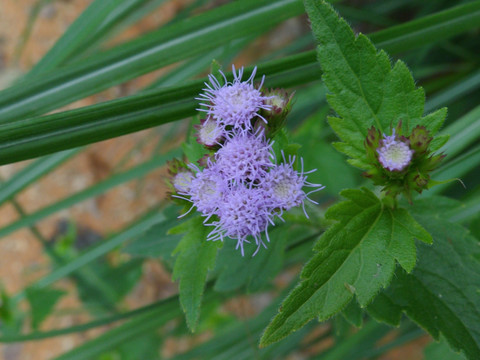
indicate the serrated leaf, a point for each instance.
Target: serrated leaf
{"x":364,"y":89}
{"x":385,"y":310}
{"x":42,"y":301}
{"x":441,"y":350}
{"x":353,"y":314}
{"x":195,"y":256}
{"x":356,"y":256}
{"x":442,"y":293}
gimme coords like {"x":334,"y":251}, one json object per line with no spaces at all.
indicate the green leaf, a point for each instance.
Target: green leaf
{"x":330,"y":163}
{"x":136,"y":228}
{"x":42,"y":301}
{"x":364,"y":89}
{"x":154,"y":50}
{"x":32,"y":173}
{"x":254,"y":272}
{"x":442,"y":293}
{"x":65,"y":130}
{"x":155,"y":242}
{"x":441,"y":350}
{"x":94,"y":190}
{"x":166,"y":305}
{"x":192,"y":149}
{"x":83,"y":27}
{"x":382,"y":308}
{"x":353,"y":314}
{"x":356,"y":256}
{"x":195,"y":257}
{"x":429,"y":29}
{"x":147,"y":321}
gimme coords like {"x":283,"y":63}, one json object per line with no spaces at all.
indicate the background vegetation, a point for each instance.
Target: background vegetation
{"x":438,"y":41}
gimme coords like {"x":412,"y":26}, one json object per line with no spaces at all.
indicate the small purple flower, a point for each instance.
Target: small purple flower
{"x":183,"y":180}
{"x":235,"y":103}
{"x":283,"y":186}
{"x":245,"y":157}
{"x":244,"y":211}
{"x":209,"y":132}
{"x":394,"y":154}
{"x":206,"y":190}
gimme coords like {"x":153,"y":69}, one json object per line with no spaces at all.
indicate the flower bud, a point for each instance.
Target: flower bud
{"x":180,"y":176}
{"x":279,"y":103}
{"x":419,"y":140}
{"x":433,"y":161}
{"x":371,"y":143}
{"x":209,"y":133}
{"x":399,"y":163}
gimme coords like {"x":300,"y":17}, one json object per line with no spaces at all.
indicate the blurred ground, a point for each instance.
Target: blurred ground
{"x":22,"y":259}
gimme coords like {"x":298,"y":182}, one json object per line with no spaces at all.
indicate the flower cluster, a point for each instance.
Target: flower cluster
{"x":401,"y":163}
{"x":241,"y":187}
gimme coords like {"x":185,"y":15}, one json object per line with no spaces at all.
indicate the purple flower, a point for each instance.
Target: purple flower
{"x":235,"y":103}
{"x":245,"y":157}
{"x":209,"y":132}
{"x":206,"y":190}
{"x":244,"y":211}
{"x":394,"y":154}
{"x":183,"y":180}
{"x":283,"y":186}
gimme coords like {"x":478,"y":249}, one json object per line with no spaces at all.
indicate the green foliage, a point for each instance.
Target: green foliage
{"x":319,"y":154}
{"x":354,"y":260}
{"x":155,"y":242}
{"x":365,"y":90}
{"x":441,"y":350}
{"x":356,"y":256}
{"x":441,"y":294}
{"x":254,"y":272}
{"x":42,"y":301}
{"x":195,"y":256}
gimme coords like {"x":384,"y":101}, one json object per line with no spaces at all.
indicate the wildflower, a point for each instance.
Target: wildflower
{"x":394,"y":154}
{"x":235,"y":103}
{"x":245,"y":157}
{"x":206,"y":190}
{"x":180,"y":176}
{"x":244,"y":211}
{"x":182,"y":181}
{"x":280,"y":103}
{"x":241,"y":189}
{"x":401,"y":163}
{"x":209,"y":132}
{"x":284,"y":186}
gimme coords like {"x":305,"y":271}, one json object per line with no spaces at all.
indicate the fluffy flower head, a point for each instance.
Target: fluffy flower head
{"x":243,"y":212}
{"x":283,"y":186}
{"x":235,"y":103}
{"x":183,"y":180}
{"x":206,"y":190}
{"x":393,"y":154}
{"x":245,"y":156}
{"x":209,"y":132}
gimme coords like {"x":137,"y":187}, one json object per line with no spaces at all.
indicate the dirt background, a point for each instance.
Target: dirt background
{"x":23,"y":260}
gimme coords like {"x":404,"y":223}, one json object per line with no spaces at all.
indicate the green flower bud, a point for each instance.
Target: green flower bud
{"x":400,"y":163}
{"x":419,"y":140}
{"x":371,"y":143}
{"x":279,"y":102}
{"x":180,"y":177}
